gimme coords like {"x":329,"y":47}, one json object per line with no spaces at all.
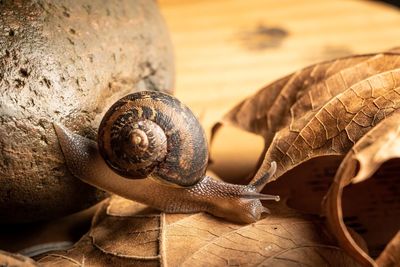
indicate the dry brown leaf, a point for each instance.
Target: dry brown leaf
{"x":125,"y":233}
{"x":372,"y":203}
{"x":10,"y":260}
{"x":320,"y":110}
{"x":391,"y":255}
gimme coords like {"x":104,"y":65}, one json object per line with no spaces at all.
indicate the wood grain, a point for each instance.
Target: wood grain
{"x":226,"y":50}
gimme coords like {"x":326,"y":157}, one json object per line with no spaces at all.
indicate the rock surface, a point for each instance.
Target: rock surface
{"x":67,"y":61}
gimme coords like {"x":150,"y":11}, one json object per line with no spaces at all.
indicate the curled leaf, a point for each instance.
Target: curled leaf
{"x":377,"y":214}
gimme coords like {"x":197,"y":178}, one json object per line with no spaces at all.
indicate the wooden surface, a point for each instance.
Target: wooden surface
{"x":228,"y":49}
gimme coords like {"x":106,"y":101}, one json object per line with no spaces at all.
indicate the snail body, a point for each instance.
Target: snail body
{"x":152,"y":149}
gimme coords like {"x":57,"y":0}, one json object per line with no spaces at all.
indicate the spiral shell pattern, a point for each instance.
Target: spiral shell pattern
{"x":153,"y":133}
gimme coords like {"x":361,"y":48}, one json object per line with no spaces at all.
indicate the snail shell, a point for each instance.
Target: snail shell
{"x":152,"y":133}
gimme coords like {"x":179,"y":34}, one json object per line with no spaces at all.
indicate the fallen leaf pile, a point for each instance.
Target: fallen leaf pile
{"x":334,"y":130}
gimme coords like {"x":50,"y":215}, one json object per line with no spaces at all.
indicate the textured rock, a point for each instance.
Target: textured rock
{"x":67,"y":61}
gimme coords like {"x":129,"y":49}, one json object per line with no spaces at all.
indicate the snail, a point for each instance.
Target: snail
{"x":152,"y":149}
